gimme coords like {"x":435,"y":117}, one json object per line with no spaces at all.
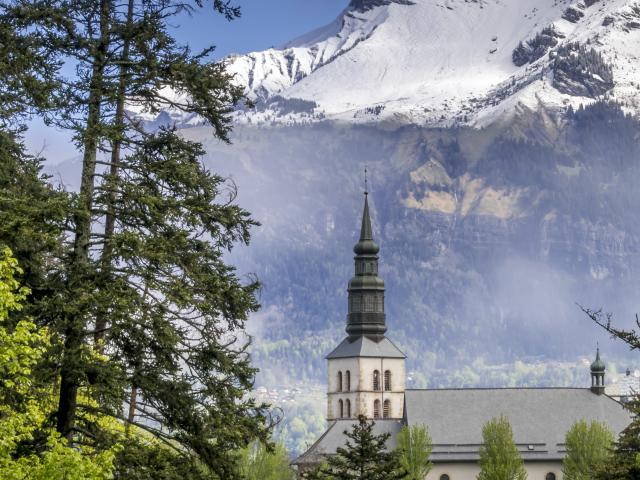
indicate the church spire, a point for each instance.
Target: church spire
{"x":597,"y":374}
{"x":366,"y":245}
{"x":366,"y":290}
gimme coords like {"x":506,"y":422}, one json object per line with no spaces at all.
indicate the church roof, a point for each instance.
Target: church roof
{"x":363,"y":346}
{"x":334,"y":437}
{"x":539,"y":417}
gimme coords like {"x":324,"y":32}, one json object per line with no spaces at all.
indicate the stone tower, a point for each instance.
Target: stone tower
{"x":366,"y":371}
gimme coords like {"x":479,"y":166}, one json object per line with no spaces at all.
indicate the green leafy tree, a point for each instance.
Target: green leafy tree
{"x":257,"y":462}
{"x":588,"y":448}
{"x":24,"y":404}
{"x":499,"y":456}
{"x":415,"y":446}
{"x":365,"y":456}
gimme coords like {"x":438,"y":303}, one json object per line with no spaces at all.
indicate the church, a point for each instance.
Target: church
{"x":366,"y":376}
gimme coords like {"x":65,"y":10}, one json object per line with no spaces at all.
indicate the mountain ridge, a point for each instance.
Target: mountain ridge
{"x":439,"y":63}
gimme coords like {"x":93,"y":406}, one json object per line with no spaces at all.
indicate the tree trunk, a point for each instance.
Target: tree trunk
{"x":133,"y":399}
{"x":110,"y":218}
{"x":71,"y":370}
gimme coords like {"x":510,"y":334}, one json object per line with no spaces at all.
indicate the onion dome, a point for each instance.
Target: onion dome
{"x":598,"y":365}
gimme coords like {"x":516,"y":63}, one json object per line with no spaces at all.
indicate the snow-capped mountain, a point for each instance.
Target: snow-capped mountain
{"x":489,"y":236}
{"x":444,"y":62}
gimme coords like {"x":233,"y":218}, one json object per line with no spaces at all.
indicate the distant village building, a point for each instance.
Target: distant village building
{"x":367,"y":377}
{"x":622,"y":389}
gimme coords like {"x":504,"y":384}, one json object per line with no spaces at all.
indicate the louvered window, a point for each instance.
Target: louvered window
{"x":376,"y":409}
{"x":376,"y":380}
{"x":386,"y":409}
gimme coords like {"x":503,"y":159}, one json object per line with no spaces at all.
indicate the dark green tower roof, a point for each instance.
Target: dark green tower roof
{"x":366,"y":245}
{"x":366,"y":290}
{"x":598,"y":365}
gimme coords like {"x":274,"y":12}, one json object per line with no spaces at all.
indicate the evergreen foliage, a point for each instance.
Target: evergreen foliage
{"x":32,"y":217}
{"x":588,"y":448}
{"x":624,"y":463}
{"x":135,"y":290}
{"x":581,"y":71}
{"x":415,"y":446}
{"x":364,"y":457}
{"x":537,"y":47}
{"x":499,"y":456}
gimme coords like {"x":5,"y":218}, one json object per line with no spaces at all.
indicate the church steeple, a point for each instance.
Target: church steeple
{"x":366,"y":370}
{"x":597,"y":374}
{"x":366,"y":290}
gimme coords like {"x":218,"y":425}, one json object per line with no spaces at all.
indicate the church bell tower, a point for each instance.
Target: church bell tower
{"x":366,"y":371}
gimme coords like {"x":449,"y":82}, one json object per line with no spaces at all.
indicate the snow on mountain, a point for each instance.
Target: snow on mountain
{"x":438,"y":62}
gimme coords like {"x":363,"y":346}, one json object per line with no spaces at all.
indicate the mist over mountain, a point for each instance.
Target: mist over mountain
{"x":503,"y":145}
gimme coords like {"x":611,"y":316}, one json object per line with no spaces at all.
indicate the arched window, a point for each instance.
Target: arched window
{"x":444,"y":476}
{"x":348,"y":408}
{"x":386,"y":409}
{"x":376,"y":409}
{"x":387,"y":380}
{"x":339,"y":381}
{"x":376,"y":380}
{"x":348,"y":381}
{"x":341,"y":408}
{"x":550,"y":476}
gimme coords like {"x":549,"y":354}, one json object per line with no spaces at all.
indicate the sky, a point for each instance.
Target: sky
{"x":263,"y":24}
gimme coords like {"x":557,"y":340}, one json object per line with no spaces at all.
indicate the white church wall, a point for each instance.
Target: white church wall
{"x":369,"y":395}
{"x":335,"y":394}
{"x":469,"y":471}
{"x":343,"y":365}
{"x":361,"y":395}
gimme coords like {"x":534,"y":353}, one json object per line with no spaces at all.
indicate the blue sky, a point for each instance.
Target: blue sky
{"x":264,"y":23}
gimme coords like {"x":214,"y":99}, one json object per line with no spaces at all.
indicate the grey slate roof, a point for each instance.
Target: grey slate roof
{"x":539,"y":417}
{"x":334,"y":437}
{"x":363,"y":346}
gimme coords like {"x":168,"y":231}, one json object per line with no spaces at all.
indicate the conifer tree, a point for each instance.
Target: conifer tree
{"x":624,"y":463}
{"x":588,"y":448}
{"x":143,"y":280}
{"x":499,"y":456}
{"x":365,"y":456}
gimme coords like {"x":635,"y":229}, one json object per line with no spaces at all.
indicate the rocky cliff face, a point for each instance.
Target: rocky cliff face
{"x":488,"y":241}
{"x":366,"y":5}
{"x":499,"y":200}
